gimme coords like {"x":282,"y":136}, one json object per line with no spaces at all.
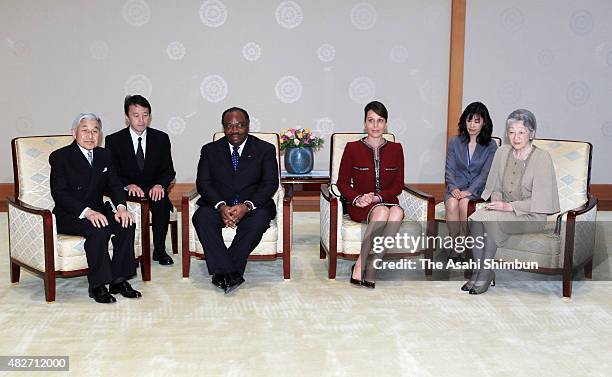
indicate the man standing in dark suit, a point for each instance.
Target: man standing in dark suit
{"x":143,"y":161}
{"x":80,"y":175}
{"x":237,"y":177}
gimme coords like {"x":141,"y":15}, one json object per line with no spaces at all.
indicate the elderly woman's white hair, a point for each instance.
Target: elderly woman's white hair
{"x":82,"y":116}
{"x":525,"y":116}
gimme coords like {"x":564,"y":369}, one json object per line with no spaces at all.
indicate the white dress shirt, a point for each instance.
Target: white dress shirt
{"x":135,"y":137}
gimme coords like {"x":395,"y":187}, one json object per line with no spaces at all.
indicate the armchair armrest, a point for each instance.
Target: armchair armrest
{"x":425,"y":215}
{"x":189,"y":195}
{"x":35,"y":246}
{"x":288,"y":196}
{"x":28,"y":208}
{"x":579,"y":235}
{"x":185,"y":200}
{"x":574,"y":212}
{"x":327,"y":194}
{"x":586,"y":207}
{"x":472,"y":205}
{"x":418,"y":205}
{"x":418,"y":193}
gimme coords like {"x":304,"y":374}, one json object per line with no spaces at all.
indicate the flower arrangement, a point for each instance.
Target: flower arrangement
{"x":299,"y":138}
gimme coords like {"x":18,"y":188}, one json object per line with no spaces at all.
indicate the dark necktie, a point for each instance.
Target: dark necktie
{"x":140,"y":155}
{"x":235,"y":157}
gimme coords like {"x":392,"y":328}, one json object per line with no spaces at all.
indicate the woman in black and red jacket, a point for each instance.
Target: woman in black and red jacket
{"x":371,"y":177}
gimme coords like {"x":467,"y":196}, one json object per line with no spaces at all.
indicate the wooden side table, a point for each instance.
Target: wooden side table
{"x":305,"y":188}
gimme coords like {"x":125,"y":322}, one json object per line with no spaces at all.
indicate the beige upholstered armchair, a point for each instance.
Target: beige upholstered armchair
{"x":34,"y":243}
{"x":276,"y":241}
{"x":341,"y":237}
{"x":571,"y":244}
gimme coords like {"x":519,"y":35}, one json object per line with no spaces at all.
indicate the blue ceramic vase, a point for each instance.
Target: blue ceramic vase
{"x":299,"y":160}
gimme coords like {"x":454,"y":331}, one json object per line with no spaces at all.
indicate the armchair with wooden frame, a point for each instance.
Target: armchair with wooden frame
{"x":276,"y":241}
{"x":34,"y":243}
{"x":340,"y":236}
{"x":571,"y":244}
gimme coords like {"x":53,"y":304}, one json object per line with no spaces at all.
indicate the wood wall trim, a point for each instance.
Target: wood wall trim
{"x":309,"y":200}
{"x":6,"y":189}
{"x":455,"y":69}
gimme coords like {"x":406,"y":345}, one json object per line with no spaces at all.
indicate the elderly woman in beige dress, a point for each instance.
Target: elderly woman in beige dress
{"x":522,"y":186}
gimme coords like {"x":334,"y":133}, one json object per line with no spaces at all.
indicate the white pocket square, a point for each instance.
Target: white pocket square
{"x":105,"y":169}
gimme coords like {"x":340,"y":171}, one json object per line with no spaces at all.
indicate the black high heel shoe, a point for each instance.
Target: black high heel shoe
{"x":368,"y":284}
{"x":476,"y":290}
{"x":354,"y":281}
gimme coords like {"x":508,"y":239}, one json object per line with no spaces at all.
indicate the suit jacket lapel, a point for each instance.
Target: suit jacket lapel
{"x":225,"y":154}
{"x":247,"y":155}
{"x":83,"y":166}
{"x":80,"y":158}
{"x":477,"y":151}
{"x":462,"y":153}
{"x":128,"y":147}
{"x":150,"y":142}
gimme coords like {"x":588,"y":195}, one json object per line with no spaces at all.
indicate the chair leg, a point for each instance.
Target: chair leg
{"x":145,"y":268}
{"x":49,"y":279}
{"x":567,"y":288}
{"x":174,"y":236}
{"x":186,"y":263}
{"x":286,"y":265}
{"x":588,"y":269}
{"x":567,"y":282}
{"x":333,"y":260}
{"x":428,"y":270}
{"x":15,"y":272}
{"x":322,"y":252}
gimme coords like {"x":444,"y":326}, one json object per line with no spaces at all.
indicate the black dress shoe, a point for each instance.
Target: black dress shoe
{"x":101,"y":295}
{"x":218,"y":280}
{"x":125,"y":289}
{"x":233,"y":281}
{"x":163,"y":258}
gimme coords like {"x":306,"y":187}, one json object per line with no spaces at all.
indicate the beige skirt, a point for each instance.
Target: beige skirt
{"x":501,"y":225}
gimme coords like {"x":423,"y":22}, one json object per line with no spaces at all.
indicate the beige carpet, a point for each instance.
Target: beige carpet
{"x":311,"y":326}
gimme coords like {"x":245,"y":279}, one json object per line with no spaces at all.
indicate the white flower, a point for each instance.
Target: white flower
{"x":296,"y":142}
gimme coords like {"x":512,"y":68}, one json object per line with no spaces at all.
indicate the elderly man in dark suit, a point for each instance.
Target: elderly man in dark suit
{"x":80,"y":174}
{"x":237,"y":177}
{"x":143,"y":161}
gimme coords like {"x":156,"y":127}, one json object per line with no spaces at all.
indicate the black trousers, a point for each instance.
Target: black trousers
{"x":160,"y":211}
{"x":103,"y":270}
{"x":220,"y":258}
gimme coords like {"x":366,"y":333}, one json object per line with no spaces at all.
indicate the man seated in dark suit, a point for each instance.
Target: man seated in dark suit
{"x":80,"y":175}
{"x":237,"y":177}
{"x":143,"y":161}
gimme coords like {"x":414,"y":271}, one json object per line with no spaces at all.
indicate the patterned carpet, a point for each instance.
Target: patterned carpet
{"x":311,"y":326}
